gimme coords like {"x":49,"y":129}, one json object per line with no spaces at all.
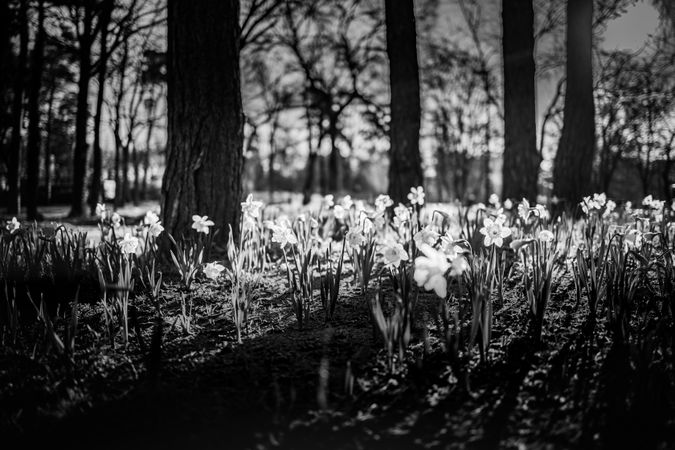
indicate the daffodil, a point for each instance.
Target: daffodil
{"x":494,"y":232}
{"x":339,"y":212}
{"x":546,"y":236}
{"x":128,"y":244}
{"x":393,"y":253}
{"x":213,"y":270}
{"x":101,"y":211}
{"x":524,"y":209}
{"x":416,"y":195}
{"x":356,"y":237}
{"x":426,"y":236}
{"x":13,"y":225}
{"x":382,"y":202}
{"x":282,"y":233}
{"x":430,"y":270}
{"x":202,"y":223}
{"x":116,"y":220}
{"x":155,"y":229}
{"x":494,"y":199}
{"x":327,"y":201}
{"x":150,"y":218}
{"x":347,"y":202}
{"x":251,"y":210}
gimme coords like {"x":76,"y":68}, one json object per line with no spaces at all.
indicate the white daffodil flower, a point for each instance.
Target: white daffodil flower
{"x":494,"y":232}
{"x":393,"y":253}
{"x":202,"y":223}
{"x":213,"y":270}
{"x":430,"y":270}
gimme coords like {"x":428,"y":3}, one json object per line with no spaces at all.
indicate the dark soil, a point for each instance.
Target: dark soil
{"x":574,"y":389}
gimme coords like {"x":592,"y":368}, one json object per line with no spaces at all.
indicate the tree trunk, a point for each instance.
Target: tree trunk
{"x":14,"y":157}
{"x":146,"y":156}
{"x":205,"y":119}
{"x":272,"y":144}
{"x":521,"y":159}
{"x":125,"y":173}
{"x":48,"y":143}
{"x":310,"y":168}
{"x":135,"y":193}
{"x":117,"y":128}
{"x":574,"y":159}
{"x":5,"y":50}
{"x":96,"y":177}
{"x":334,"y":159}
{"x":405,"y":162}
{"x":82,"y":116}
{"x":33,"y":148}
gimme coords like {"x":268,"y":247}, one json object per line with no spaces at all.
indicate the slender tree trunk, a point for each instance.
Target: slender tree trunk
{"x":521,"y":159}
{"x":405,"y":162}
{"x":146,"y":156}
{"x":48,"y":143}
{"x":334,"y":159}
{"x":310,"y":168}
{"x":574,"y":161}
{"x":205,"y":118}
{"x":117,"y":128}
{"x":14,"y":157}
{"x":125,"y":173}
{"x":272,"y":144}
{"x":82,"y":116}
{"x":96,"y":178}
{"x":135,"y":193}
{"x":33,"y":147}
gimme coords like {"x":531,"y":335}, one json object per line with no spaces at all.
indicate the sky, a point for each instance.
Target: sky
{"x":631,"y":30}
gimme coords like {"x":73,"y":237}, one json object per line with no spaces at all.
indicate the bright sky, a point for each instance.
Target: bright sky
{"x":631,"y":30}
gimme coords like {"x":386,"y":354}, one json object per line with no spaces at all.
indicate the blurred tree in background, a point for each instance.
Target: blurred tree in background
{"x":507,"y":97}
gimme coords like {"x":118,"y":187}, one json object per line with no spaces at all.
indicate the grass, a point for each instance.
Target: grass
{"x":541,"y":340}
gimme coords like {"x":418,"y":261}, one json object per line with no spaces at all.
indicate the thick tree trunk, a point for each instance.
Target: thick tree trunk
{"x":574,"y":160}
{"x":14,"y":157}
{"x":5,"y":49}
{"x":33,"y":148}
{"x":521,"y":159}
{"x":205,"y":119}
{"x":405,"y":163}
{"x":97,"y":162}
{"x":82,"y":116}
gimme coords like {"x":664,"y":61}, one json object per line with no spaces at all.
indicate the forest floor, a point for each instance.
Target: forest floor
{"x":328,"y":386}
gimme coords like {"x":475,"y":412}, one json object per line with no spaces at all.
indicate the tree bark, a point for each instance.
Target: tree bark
{"x":521,"y":159}
{"x":405,"y":162}
{"x":48,"y":142}
{"x":334,"y":158}
{"x":117,"y":127}
{"x":574,"y":160}
{"x":33,"y":147}
{"x":82,"y":115}
{"x":14,"y":157}
{"x":205,"y":119}
{"x":97,"y":163}
{"x":5,"y":49}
